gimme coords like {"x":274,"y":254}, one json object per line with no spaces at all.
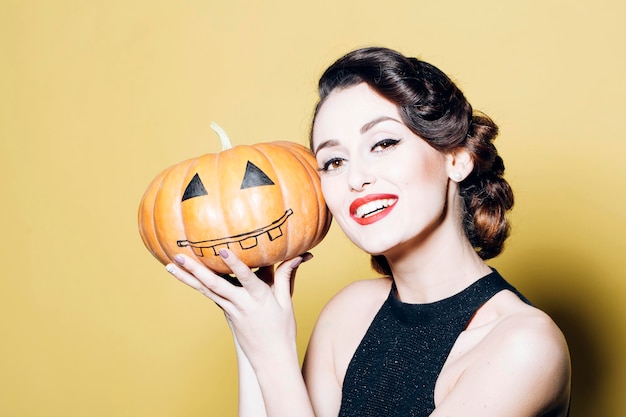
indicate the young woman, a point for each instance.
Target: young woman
{"x":410,"y":174}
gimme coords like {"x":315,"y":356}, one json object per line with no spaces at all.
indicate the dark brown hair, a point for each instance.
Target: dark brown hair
{"x":434,"y":108}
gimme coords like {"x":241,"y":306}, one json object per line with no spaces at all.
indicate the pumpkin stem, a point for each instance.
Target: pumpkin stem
{"x":223,"y":136}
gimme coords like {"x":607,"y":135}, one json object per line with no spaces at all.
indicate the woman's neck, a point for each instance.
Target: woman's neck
{"x":437,"y":268}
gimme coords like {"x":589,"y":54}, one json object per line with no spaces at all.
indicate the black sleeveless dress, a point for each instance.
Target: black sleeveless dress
{"x":394,"y":370}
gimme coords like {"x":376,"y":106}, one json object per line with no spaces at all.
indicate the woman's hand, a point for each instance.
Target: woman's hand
{"x":259,"y":312}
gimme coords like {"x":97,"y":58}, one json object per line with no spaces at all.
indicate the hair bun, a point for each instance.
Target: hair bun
{"x":487,"y":196}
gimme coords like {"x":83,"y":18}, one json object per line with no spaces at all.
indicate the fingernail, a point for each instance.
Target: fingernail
{"x":307,"y":257}
{"x":170,"y":268}
{"x":296,"y":263}
{"x":224,"y":253}
{"x":179,"y":259}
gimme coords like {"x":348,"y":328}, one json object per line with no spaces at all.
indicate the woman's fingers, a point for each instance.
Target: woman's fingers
{"x":202,"y":279}
{"x":284,"y":278}
{"x":223,"y":292}
{"x":199,"y":277}
{"x":188,"y":279}
{"x":255,"y":285}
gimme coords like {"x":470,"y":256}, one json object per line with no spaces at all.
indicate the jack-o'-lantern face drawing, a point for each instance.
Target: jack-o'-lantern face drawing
{"x":261,"y":201}
{"x":253,"y":177}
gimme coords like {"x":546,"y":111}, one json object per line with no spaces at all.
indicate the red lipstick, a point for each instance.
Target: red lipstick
{"x":372,"y":208}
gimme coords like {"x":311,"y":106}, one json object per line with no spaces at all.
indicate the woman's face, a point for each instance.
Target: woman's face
{"x":385,"y":186}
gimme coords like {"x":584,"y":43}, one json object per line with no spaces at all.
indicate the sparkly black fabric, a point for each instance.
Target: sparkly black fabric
{"x":394,"y":370}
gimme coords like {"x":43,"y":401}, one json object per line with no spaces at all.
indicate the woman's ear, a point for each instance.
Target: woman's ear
{"x":459,"y":164}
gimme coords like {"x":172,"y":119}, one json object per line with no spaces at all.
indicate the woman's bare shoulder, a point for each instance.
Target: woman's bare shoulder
{"x":530,"y":338}
{"x":346,"y":317}
{"x":517,"y":322}
{"x":515,"y":358}
{"x":525,"y":337}
{"x":528,"y":343}
{"x":358,"y":297}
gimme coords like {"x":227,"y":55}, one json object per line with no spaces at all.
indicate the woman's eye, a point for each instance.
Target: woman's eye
{"x":332,"y":164}
{"x":384,"y":145}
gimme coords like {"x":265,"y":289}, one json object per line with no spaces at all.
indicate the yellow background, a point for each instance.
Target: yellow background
{"x":96,"y":97}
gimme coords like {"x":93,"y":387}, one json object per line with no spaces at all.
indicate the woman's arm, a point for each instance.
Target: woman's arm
{"x":251,"y":402}
{"x":339,"y":329}
{"x":261,"y":318}
{"x":319,"y":367}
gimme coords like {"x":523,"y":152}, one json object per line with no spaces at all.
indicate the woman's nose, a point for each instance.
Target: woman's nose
{"x":360,"y":176}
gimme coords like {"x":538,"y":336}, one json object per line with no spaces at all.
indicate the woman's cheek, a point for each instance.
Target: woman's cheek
{"x":329,"y":190}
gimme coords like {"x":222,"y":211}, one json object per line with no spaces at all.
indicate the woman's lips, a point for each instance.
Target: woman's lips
{"x":371,"y":208}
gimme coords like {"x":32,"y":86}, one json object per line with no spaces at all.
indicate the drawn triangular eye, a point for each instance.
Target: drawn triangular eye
{"x":195,"y":188}
{"x":254,"y":177}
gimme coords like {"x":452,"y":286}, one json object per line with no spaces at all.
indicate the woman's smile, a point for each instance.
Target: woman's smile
{"x":372,"y":208}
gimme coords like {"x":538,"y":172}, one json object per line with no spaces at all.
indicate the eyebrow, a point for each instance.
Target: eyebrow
{"x":364,"y":129}
{"x":326,"y":144}
{"x":367,"y":126}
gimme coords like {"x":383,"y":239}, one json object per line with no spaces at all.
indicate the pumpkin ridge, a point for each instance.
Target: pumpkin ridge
{"x":303,"y":240}
{"x":191,"y":163}
{"x":219,"y":185}
{"x":312,"y":237}
{"x":322,"y":226}
{"x":260,"y":148}
{"x":152,"y":220}
{"x":151,"y":237}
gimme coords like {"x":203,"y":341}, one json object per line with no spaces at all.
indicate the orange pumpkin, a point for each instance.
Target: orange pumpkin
{"x":262,"y":201}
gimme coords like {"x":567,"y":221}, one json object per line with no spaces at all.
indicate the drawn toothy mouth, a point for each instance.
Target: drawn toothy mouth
{"x":245,"y":241}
